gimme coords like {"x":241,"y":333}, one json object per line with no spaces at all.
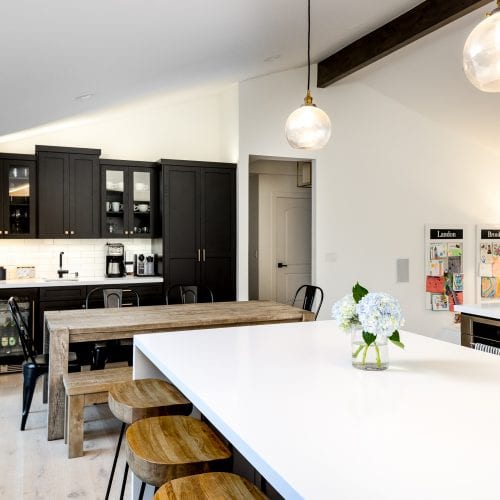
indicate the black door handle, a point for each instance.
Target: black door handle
{"x":280,"y":265}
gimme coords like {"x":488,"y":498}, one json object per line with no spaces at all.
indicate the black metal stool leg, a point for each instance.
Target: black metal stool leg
{"x":141,"y":493}
{"x":124,"y":482}
{"x":30,"y":376}
{"x":99,"y":357}
{"x":118,"y":446}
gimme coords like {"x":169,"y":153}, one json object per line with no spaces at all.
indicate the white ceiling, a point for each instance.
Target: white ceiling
{"x":56,"y":50}
{"x":124,"y":49}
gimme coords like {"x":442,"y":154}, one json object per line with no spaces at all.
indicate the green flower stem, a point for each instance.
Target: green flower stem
{"x":363,"y":361}
{"x":355,"y":354}
{"x":377,"y":350}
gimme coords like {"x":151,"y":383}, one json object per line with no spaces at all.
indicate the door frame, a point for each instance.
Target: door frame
{"x":243,"y":202}
{"x":274,"y":196}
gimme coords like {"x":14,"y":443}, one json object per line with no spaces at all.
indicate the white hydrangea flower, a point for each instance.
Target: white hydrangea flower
{"x":379,"y":314}
{"x":344,"y":312}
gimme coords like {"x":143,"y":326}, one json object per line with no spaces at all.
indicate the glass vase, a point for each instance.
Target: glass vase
{"x":374,"y":356}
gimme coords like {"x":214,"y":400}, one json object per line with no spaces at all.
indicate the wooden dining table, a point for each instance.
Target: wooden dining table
{"x":64,"y":327}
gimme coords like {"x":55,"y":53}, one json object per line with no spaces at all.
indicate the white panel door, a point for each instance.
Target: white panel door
{"x":293,"y":245}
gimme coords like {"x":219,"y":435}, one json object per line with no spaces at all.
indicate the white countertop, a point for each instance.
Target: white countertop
{"x":486,"y":310}
{"x":289,"y":400}
{"x":40,"y":282}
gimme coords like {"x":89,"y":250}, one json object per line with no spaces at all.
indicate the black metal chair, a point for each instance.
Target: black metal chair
{"x":309,"y":301}
{"x":34,"y":364}
{"x":188,"y":294}
{"x":111,"y":297}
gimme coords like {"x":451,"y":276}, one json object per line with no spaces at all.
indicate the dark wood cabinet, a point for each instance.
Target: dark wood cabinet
{"x":68,"y":192}
{"x":129,"y":199}
{"x":199,"y":218}
{"x":17,"y":196}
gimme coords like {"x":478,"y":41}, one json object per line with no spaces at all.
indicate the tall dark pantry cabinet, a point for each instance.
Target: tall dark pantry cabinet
{"x":199,"y":225}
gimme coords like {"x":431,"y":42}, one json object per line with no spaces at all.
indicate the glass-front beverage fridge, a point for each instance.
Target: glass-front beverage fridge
{"x":11,"y":349}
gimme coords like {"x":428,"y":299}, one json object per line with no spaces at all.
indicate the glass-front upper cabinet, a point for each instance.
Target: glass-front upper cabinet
{"x":129,"y":199}
{"x":141,"y":189}
{"x":17,"y":196}
{"x":114,"y":202}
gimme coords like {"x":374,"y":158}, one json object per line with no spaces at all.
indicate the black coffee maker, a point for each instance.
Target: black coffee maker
{"x":115,"y":260}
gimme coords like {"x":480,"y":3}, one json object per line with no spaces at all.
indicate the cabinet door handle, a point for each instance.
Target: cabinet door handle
{"x":126,"y":232}
{"x":203,"y":255}
{"x":72,"y":232}
{"x":199,"y":255}
{"x":66,"y":232}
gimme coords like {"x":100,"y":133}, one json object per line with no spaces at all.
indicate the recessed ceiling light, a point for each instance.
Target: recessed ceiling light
{"x":84,"y":97}
{"x":272,"y":58}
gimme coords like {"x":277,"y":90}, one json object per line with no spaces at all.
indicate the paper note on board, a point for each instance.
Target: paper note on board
{"x":434,"y":284}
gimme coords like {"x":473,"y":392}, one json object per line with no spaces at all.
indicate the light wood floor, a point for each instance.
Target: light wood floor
{"x":33,"y":468}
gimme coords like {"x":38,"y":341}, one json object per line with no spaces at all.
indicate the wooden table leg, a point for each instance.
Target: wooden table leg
{"x":46,"y":337}
{"x":58,"y":365}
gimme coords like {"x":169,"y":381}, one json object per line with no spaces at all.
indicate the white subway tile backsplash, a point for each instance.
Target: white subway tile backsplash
{"x":87,"y":257}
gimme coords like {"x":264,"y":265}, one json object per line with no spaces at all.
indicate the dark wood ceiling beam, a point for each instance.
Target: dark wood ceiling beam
{"x":423,"y":19}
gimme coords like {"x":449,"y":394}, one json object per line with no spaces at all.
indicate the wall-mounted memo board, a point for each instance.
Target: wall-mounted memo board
{"x":444,"y":268}
{"x":488,"y":263}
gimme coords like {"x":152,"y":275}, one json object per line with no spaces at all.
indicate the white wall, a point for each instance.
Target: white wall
{"x":386,"y":172}
{"x":196,"y":125}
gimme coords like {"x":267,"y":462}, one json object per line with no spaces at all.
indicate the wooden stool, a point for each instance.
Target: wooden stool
{"x":130,"y":401}
{"x":82,"y":389}
{"x":160,"y":449}
{"x":210,"y":486}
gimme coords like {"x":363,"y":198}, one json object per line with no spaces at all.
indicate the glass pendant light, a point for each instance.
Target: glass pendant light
{"x":308,"y":127}
{"x":482,"y":53}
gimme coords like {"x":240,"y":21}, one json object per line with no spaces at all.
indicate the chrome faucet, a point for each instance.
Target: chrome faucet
{"x":61,"y":271}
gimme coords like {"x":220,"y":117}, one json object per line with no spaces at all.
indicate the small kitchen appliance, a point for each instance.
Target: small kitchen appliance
{"x":115,"y":260}
{"x":145,"y":264}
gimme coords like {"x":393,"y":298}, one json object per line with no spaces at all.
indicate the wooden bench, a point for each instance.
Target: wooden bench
{"x":85,"y":388}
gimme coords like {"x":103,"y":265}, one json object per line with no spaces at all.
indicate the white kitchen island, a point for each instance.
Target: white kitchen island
{"x":287,"y":397}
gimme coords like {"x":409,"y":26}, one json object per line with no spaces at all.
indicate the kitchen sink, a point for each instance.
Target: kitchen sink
{"x":59,"y":280}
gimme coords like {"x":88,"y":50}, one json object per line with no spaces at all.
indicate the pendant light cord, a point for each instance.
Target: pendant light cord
{"x":309,"y":43}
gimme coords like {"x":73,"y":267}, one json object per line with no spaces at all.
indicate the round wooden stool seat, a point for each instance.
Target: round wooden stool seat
{"x":163,"y":448}
{"x":136,"y":399}
{"x":210,"y":486}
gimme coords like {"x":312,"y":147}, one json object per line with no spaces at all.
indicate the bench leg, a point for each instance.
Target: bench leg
{"x":66,"y":414}
{"x":75,"y":425}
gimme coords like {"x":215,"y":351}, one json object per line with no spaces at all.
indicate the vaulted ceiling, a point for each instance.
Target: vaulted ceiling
{"x":120,"y":50}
